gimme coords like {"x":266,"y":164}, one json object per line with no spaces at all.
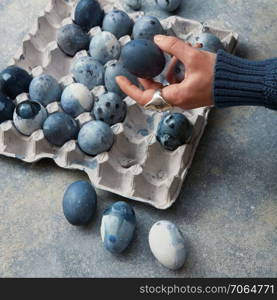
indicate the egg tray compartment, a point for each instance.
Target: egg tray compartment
{"x":137,"y":167}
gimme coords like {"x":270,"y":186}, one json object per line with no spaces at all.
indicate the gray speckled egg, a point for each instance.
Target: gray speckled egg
{"x":95,"y":137}
{"x":76,"y":99}
{"x":88,"y":71}
{"x":60,"y":128}
{"x":110,"y":108}
{"x":29,"y":116}
{"x":134,"y":4}
{"x":104,"y":47}
{"x":118,"y":23}
{"x":209,"y":41}
{"x":118,"y":227}
{"x":167,"y":245}
{"x":168,"y":5}
{"x":45,"y":89}
{"x":147,"y":27}
{"x":174,"y":130}
{"x":113,"y":69}
{"x":71,"y":39}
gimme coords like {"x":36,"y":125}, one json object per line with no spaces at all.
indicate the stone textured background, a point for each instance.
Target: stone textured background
{"x":228,"y":205}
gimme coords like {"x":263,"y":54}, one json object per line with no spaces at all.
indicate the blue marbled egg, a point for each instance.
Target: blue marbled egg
{"x":71,"y":39}
{"x":147,"y":27}
{"x":210,"y":42}
{"x":110,"y":108}
{"x":76,"y":99}
{"x":118,"y":227}
{"x":174,"y":130}
{"x":168,"y":244}
{"x":88,"y":14}
{"x":6,"y":108}
{"x":88,"y":71}
{"x":134,"y":4}
{"x":29,"y":116}
{"x":118,"y":23}
{"x":45,"y":89}
{"x":15,"y":81}
{"x":79,"y":203}
{"x":104,"y":47}
{"x":169,"y":5}
{"x":143,"y":58}
{"x":95,"y":137}
{"x":60,"y":128}
{"x":113,"y":69}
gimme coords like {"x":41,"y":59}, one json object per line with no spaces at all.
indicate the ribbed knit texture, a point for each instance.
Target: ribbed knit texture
{"x":243,"y":82}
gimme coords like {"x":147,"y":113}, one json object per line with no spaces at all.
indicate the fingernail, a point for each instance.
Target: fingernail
{"x":158,"y":38}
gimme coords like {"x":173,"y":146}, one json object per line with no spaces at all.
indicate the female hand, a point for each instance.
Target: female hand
{"x":196,"y":88}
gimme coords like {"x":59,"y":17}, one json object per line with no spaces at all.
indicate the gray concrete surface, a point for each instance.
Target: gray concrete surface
{"x":228,"y":205}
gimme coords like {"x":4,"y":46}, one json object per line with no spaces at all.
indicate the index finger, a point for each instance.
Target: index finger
{"x":142,"y":97}
{"x":174,"y":46}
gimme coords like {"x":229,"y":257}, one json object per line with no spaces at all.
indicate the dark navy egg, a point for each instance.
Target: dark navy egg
{"x":114,"y":69}
{"x":118,"y":23}
{"x":104,"y":47}
{"x":76,"y":99}
{"x":60,"y":128}
{"x":168,"y":5}
{"x":179,"y":71}
{"x":6,"y":108}
{"x":95,"y":137}
{"x":29,"y":116}
{"x":88,"y":14}
{"x":71,"y":39}
{"x":134,"y":4}
{"x":110,"y":109}
{"x":210,"y":42}
{"x":45,"y":89}
{"x":147,"y":27}
{"x":143,"y":58}
{"x":15,"y":81}
{"x":88,"y":71}
{"x":79,"y":203}
{"x":118,"y":227}
{"x":174,"y":130}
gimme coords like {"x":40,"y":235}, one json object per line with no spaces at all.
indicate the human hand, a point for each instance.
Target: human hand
{"x":196,"y":88}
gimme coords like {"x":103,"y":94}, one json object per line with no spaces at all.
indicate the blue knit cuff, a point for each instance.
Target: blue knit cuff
{"x":240,"y":81}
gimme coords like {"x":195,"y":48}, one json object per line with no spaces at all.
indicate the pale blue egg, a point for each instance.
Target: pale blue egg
{"x":95,"y":137}
{"x":104,"y":47}
{"x":168,"y":245}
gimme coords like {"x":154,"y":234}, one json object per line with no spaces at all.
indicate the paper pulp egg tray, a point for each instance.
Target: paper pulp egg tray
{"x":137,"y":167}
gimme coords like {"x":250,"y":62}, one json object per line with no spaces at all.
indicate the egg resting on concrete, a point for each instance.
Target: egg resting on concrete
{"x":118,"y":227}
{"x":79,"y":203}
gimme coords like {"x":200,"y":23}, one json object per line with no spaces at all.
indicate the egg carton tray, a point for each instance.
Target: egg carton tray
{"x":137,"y":167}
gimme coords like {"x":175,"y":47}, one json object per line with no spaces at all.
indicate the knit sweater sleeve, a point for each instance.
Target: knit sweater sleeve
{"x":240,"y":81}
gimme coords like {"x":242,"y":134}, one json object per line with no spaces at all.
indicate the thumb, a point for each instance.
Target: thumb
{"x":174,"y":46}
